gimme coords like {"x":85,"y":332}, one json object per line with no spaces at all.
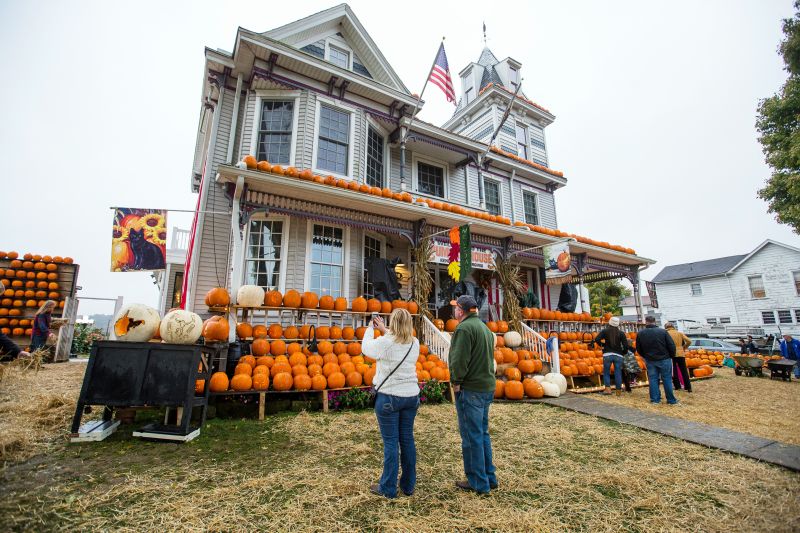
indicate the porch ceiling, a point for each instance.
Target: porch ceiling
{"x":335,"y":196}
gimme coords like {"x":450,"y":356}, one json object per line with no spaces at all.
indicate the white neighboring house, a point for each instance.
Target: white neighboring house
{"x":629,"y":314}
{"x":170,"y":282}
{"x":761,"y":288}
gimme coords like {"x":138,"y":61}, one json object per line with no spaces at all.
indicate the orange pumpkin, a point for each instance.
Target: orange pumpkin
{"x":261,"y":381}
{"x":282,"y":381}
{"x":273,"y":299}
{"x":499,"y":389}
{"x":514,"y":390}
{"x":354,"y":348}
{"x":309,"y":300}
{"x":244,"y":330}
{"x":533,"y":389}
{"x":359,"y":305}
{"x":260,"y":347}
{"x":354,"y":379}
{"x":386,"y":307}
{"x":451,"y":325}
{"x":373,"y":305}
{"x":242,"y":382}
{"x":275,"y":331}
{"x":513,"y":374}
{"x":260,"y":332}
{"x":327,"y":303}
{"x":336,"y":380}
{"x":277,"y":347}
{"x":527,"y":366}
{"x":217,"y":297}
{"x":319,"y":382}
{"x":340,"y":304}
{"x":302,"y":382}
{"x":292,"y":298}
{"x":216,"y":329}
{"x":413,"y":308}
{"x":218,"y":382}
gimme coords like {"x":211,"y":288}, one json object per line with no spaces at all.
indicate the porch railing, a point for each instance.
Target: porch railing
{"x":537,"y":344}
{"x":436,"y":341}
{"x":180,"y":239}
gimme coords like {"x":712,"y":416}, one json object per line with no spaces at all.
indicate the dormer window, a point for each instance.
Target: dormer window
{"x":339,"y":57}
{"x":513,"y":77}
{"x":468,"y":95}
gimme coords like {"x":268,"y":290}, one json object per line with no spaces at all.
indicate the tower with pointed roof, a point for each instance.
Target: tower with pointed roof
{"x":487,"y":87}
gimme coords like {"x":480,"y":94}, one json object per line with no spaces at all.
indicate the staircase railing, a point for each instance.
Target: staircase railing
{"x":436,"y":341}
{"x":537,"y":344}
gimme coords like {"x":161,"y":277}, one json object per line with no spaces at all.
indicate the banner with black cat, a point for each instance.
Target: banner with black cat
{"x":138,"y":240}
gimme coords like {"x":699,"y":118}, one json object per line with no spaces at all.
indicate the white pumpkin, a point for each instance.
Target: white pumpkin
{"x":551,"y":389}
{"x":512,"y":339}
{"x":250,"y":296}
{"x":181,"y":327}
{"x":539,"y":378}
{"x":135,"y":323}
{"x":557,"y":379}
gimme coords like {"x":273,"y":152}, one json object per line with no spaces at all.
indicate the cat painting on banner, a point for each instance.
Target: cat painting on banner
{"x":138,"y":240}
{"x":146,"y":255}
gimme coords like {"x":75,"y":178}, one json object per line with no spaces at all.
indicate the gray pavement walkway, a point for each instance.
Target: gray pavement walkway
{"x":761,"y":449}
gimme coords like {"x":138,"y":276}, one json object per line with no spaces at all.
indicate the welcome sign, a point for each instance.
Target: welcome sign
{"x":482,"y":258}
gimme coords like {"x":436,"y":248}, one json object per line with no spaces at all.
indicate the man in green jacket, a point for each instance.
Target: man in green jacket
{"x":472,"y":375}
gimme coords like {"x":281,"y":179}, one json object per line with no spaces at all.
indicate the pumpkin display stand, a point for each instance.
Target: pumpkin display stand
{"x":144,"y":374}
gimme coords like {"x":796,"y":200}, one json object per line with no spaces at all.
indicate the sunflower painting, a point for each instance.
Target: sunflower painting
{"x":138,"y":240}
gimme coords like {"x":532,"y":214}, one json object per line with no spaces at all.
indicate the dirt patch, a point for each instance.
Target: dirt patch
{"x":758,"y":406}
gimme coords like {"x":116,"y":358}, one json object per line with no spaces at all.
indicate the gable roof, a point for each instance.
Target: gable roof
{"x":340,"y":19}
{"x":698,"y":269}
{"x":758,"y":249}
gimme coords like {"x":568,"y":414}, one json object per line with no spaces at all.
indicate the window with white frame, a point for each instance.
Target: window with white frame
{"x":696,"y":289}
{"x":797,"y":315}
{"x":724,"y":320}
{"x":711,"y":320}
{"x":796,"y":276}
{"x":373,"y":247}
{"x":327,"y":260}
{"x":468,"y":95}
{"x":375,"y":158}
{"x":492,"y":190}
{"x":334,"y":140}
{"x":339,"y":57}
{"x":768,"y":317}
{"x":522,"y":141}
{"x":430,"y":179}
{"x":784,"y":316}
{"x":264,"y":253}
{"x":275,"y":131}
{"x":529,"y":206}
{"x":756,"y":286}
{"x":513,"y":75}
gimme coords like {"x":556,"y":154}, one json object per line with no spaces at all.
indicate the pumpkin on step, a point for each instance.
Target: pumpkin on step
{"x":217,"y":297}
{"x":216,"y":329}
{"x":250,"y":296}
{"x":181,"y":327}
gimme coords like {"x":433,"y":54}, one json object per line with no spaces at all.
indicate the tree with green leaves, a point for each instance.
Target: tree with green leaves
{"x":779,"y":125}
{"x":605,"y":297}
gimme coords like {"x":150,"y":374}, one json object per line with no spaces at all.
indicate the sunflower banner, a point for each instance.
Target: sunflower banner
{"x":139,"y":240}
{"x":459,"y":261}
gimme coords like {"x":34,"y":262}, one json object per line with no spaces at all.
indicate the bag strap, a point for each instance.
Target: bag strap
{"x":395,"y":368}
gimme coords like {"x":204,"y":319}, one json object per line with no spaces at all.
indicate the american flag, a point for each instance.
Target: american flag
{"x":440,"y":75}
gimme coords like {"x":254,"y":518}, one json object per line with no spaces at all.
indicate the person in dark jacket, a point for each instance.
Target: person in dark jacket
{"x":471,"y":361}
{"x":790,"y":349}
{"x":41,"y":325}
{"x":615,"y":346}
{"x":657,"y":348}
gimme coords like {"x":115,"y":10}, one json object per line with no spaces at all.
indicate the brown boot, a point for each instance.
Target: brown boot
{"x":607,"y":391}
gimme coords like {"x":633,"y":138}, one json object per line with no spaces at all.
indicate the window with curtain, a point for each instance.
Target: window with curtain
{"x":756,"y":287}
{"x":334,"y":140}
{"x":529,"y":205}
{"x":375,"y":163}
{"x":275,"y":131}
{"x":430,"y":179}
{"x":263,"y":259}
{"x":492,"y":190}
{"x":327,"y":260}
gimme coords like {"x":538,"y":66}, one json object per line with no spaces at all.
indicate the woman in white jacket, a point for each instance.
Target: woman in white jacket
{"x":397,"y":398}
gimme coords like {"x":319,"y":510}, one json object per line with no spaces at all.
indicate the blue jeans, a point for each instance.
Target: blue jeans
{"x":396,"y":421}
{"x":797,"y":369}
{"x":38,"y":341}
{"x":476,"y":446}
{"x":660,"y":370}
{"x":617,"y":360}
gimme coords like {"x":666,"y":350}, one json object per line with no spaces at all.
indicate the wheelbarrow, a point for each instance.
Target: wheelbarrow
{"x":749,"y":366}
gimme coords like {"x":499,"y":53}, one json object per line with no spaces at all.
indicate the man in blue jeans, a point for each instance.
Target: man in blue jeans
{"x":657,"y":348}
{"x":471,"y":360}
{"x":790,"y":349}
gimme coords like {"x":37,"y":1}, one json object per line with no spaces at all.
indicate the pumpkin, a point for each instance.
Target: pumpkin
{"x":327,"y":303}
{"x":275,"y":331}
{"x":244,"y":330}
{"x":302,"y":382}
{"x":325,"y":347}
{"x":359,"y":305}
{"x":251,"y":162}
{"x":340,"y":304}
{"x":386,"y":307}
{"x":512,"y":339}
{"x":277,"y":347}
{"x":282,"y":380}
{"x":558,"y":380}
{"x":335,"y":333}
{"x":513,"y":390}
{"x":492,"y":325}
{"x":373,"y":305}
{"x":527,"y":366}
{"x":280,"y":366}
{"x":273,"y":299}
{"x":499,"y":389}
{"x":550,"y":389}
{"x":336,"y":380}
{"x":413,"y":308}
{"x":250,"y":296}
{"x":243,"y":368}
{"x":451,"y":325}
{"x":248,"y":359}
{"x":199,"y":386}
{"x":354,"y":379}
{"x":218,"y":382}
{"x":319,"y":382}
{"x":260,"y":332}
{"x":533,"y":389}
{"x":502,"y":326}
{"x":216,"y":328}
{"x":513,"y":374}
{"x":292,"y":299}
{"x":181,"y":327}
{"x":217,"y":297}
{"x":309,"y":300}
{"x":354,"y":348}
{"x":135,"y":323}
{"x":399,"y":304}
{"x":439,"y":323}
{"x":261,"y":381}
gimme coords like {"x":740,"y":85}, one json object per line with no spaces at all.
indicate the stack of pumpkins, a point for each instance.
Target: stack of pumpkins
{"x":29,"y":282}
{"x":697,"y":358}
{"x":579,"y":361}
{"x":532,"y":313}
{"x":141,"y":323}
{"x":518,"y":371}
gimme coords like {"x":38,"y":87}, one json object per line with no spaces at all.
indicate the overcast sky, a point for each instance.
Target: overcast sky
{"x":655,"y":107}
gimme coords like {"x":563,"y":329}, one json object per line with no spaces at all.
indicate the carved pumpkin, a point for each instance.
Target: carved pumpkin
{"x":181,"y":327}
{"x":216,"y":329}
{"x":218,"y":382}
{"x":292,"y":299}
{"x":135,"y":323}
{"x":217,"y":297}
{"x":250,"y":296}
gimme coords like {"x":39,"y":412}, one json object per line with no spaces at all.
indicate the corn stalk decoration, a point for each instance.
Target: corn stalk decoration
{"x":508,"y":274}
{"x":420,"y":277}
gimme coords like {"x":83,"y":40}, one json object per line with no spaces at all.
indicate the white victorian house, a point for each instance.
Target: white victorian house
{"x":760,"y":288}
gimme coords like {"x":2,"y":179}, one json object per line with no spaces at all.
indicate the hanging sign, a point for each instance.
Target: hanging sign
{"x":481,"y":257}
{"x":557,"y":263}
{"x":651,"y":291}
{"x":138,"y":240}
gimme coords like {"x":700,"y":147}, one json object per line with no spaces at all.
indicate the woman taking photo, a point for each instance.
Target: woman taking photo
{"x":41,"y":325}
{"x":615,"y":345}
{"x":397,"y":398}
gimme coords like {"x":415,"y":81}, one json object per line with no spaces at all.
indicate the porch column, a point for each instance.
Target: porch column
{"x":637,"y":294}
{"x":402,"y":159}
{"x":481,"y":201}
{"x":237,"y":260}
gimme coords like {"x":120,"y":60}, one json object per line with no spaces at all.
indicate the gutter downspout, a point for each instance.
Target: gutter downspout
{"x":234,"y":119}
{"x":198,"y":238}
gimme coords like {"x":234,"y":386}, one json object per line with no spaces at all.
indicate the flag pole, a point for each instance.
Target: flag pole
{"x":404,"y":134}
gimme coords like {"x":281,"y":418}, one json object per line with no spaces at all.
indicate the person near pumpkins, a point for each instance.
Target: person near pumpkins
{"x":790,"y":349}
{"x":657,"y":348}
{"x":41,"y":325}
{"x":680,"y":373}
{"x":396,"y":400}
{"x":615,"y":345}
{"x":9,"y":349}
{"x":471,"y":362}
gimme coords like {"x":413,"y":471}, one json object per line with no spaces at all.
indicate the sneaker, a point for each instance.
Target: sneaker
{"x":464,"y":485}
{"x":376,"y":489}
{"x":674,"y":403}
{"x":655,"y":403}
